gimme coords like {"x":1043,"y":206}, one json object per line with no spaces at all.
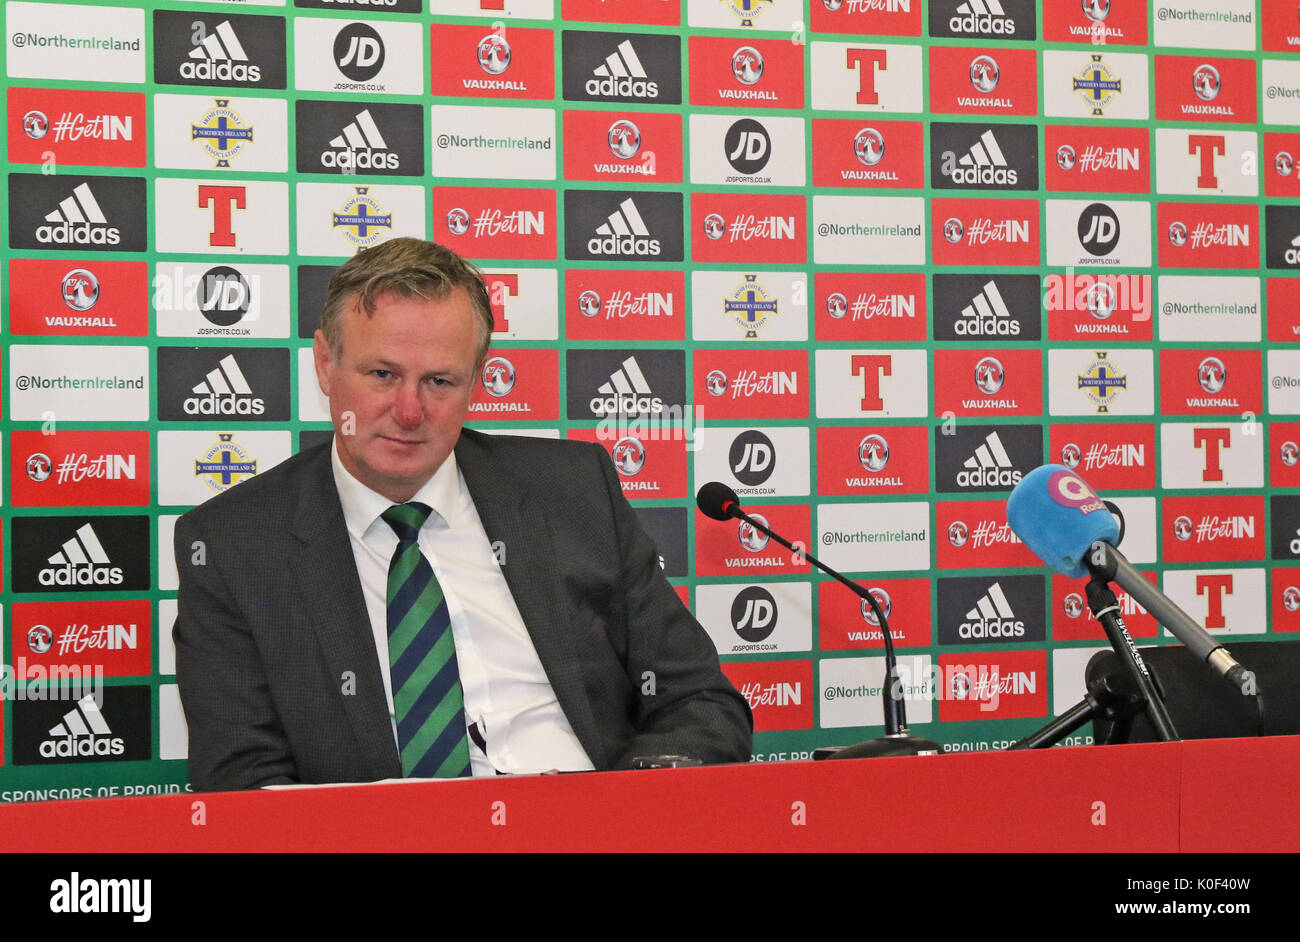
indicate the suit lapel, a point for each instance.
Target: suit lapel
{"x":327,"y":575}
{"x":516,"y":519}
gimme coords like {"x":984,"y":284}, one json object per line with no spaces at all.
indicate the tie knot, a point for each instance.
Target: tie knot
{"x":406,"y":519}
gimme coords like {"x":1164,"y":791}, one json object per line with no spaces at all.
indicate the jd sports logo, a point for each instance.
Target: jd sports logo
{"x":609,"y":225}
{"x":349,"y":137}
{"x":1098,"y":229}
{"x":70,"y":213}
{"x":971,"y":157}
{"x":752,"y":457}
{"x":984,"y":306}
{"x":359,"y":52}
{"x":977,"y":611}
{"x":107,"y":724}
{"x":980,"y":458}
{"x":747,"y":146}
{"x":245,"y":384}
{"x":753,"y":613}
{"x":74,"y":554}
{"x":996,"y":19}
{"x":223,"y":296}
{"x":636,"y":68}
{"x":210,"y":49}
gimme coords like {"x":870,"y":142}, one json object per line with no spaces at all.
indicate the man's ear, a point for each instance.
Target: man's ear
{"x":325,"y":364}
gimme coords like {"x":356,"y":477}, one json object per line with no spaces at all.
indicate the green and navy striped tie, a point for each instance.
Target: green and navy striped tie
{"x":427,"y":698}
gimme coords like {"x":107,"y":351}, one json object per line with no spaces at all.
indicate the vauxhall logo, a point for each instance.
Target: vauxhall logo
{"x":359,"y":52}
{"x":82,"y":561}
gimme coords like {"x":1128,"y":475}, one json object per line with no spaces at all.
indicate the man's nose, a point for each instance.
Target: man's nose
{"x":407,"y":408}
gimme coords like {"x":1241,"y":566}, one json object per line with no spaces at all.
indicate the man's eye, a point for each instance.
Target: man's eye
{"x":382,"y":374}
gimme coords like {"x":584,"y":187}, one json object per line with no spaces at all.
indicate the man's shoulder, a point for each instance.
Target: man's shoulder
{"x":273,"y":494}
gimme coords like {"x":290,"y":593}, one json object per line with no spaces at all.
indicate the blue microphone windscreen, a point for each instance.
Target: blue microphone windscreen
{"x":1059,"y":517}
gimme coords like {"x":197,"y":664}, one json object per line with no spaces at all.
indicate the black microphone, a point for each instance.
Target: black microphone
{"x":720,"y":502}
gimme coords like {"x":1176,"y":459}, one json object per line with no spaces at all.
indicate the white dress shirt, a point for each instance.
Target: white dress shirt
{"x":506,"y":690}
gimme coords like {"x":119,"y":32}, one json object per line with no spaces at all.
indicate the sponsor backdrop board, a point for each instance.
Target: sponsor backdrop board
{"x":867,"y":270}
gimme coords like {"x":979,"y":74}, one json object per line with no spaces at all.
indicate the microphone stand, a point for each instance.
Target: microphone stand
{"x":897,"y":741}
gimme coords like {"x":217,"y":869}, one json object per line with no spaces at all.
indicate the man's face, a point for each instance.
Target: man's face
{"x":400,"y":387}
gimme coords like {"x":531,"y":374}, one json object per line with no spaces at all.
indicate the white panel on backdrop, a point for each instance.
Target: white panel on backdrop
{"x":1216,"y":307}
{"x":746,"y":618}
{"x":1210,"y":455}
{"x":38,"y":35}
{"x":869,"y":230}
{"x":783,"y":15}
{"x":866,"y":76}
{"x":756,"y":462}
{"x":1095,"y":83}
{"x":313,"y":405}
{"x":721,"y":302}
{"x":493,"y":143}
{"x":1139,"y":513}
{"x":1222,"y":601}
{"x":211,"y":133}
{"x":853,"y":384}
{"x":79,"y":384}
{"x":1207,"y":161}
{"x":877,"y":537}
{"x":1281,"y":92}
{"x":1100,"y":382}
{"x":1205,"y":24}
{"x":217,"y":216}
{"x":1068,"y":676}
{"x":339,"y":219}
{"x":193,"y":466}
{"x":1099,"y":233}
{"x":850,"y":689}
{"x":168,"y":581}
{"x":1283,"y":382}
{"x":528,"y":300}
{"x":747,"y":151}
{"x":215,"y":299}
{"x":374,"y":57}
{"x":173,"y":733}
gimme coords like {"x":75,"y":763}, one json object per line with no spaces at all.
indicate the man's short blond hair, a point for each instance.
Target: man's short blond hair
{"x":407,"y":268}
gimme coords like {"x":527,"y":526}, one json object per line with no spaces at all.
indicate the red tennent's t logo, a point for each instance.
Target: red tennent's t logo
{"x":1206,"y":146}
{"x":866,"y":61}
{"x":221,"y":199}
{"x":1212,"y":439}
{"x":500,"y":287}
{"x":1214,"y":587}
{"x":871,"y":368}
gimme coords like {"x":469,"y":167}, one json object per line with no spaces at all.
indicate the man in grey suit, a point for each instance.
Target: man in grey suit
{"x":518,"y":622}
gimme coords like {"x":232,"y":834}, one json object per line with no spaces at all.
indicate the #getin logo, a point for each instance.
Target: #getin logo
{"x":221,"y":133}
{"x":225,"y":464}
{"x":750,"y":306}
{"x":362,"y":219}
{"x":1101,"y":381}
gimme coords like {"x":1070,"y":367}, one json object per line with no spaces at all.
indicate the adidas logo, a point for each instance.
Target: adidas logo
{"x":82,"y":562}
{"x":987,"y":315}
{"x":984,"y":164}
{"x":624,"y":233}
{"x":220,"y":55}
{"x":225,"y":392}
{"x":985,"y":17}
{"x":78,"y":221}
{"x":622,"y":75}
{"x":992,"y":617}
{"x":83,"y":732}
{"x":990,"y":466}
{"x":360,"y":147}
{"x":627,"y":391}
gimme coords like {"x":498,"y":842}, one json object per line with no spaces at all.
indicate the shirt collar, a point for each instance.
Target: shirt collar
{"x":362,"y":506}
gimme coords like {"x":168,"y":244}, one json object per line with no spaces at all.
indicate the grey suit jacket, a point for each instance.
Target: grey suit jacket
{"x":276,"y":661}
